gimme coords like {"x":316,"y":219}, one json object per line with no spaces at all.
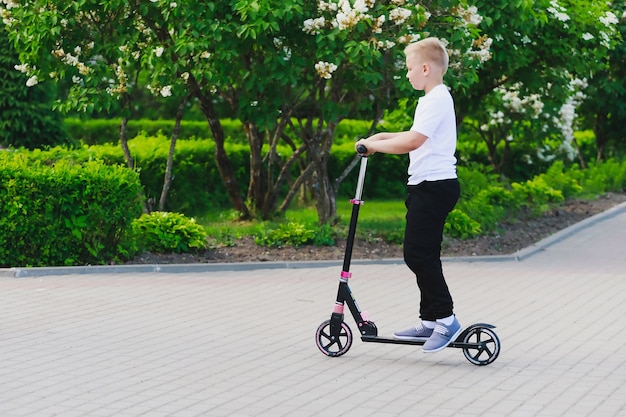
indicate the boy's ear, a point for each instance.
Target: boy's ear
{"x":425,"y":68}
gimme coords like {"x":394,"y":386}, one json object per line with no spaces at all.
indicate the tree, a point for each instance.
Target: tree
{"x":26,"y":115}
{"x":279,"y":65}
{"x":543,"y":52}
{"x":605,"y":108}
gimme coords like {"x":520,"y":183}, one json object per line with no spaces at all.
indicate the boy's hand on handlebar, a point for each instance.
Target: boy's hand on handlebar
{"x":362,"y":148}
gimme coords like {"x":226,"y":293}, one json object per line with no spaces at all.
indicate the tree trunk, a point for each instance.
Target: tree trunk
{"x":321,"y":185}
{"x":167,"y":181}
{"x":601,"y":137}
{"x":257,"y":184}
{"x":221,"y":157}
{"x":325,"y":197}
{"x":124,"y":143}
{"x":581,"y":158}
{"x":129,"y":159}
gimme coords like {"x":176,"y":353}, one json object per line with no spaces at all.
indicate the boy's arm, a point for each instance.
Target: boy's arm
{"x":393,"y":143}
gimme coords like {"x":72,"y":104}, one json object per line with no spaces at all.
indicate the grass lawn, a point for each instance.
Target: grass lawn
{"x":376,"y":219}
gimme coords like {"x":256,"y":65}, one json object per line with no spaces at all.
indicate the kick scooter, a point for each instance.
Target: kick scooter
{"x":479,"y":342}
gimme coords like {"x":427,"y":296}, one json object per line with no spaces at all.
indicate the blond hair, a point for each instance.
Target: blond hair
{"x":431,"y":50}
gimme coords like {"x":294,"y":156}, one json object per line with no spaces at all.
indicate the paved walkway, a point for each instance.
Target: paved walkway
{"x":240,"y":341}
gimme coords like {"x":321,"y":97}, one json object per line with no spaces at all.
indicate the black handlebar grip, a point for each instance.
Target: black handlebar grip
{"x":361,"y":149}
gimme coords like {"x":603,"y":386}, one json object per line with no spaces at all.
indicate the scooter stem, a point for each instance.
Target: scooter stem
{"x":356,"y":203}
{"x":361,"y":180}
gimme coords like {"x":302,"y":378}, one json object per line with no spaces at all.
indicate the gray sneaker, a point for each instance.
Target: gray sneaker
{"x":442,"y":336}
{"x":418,"y":333}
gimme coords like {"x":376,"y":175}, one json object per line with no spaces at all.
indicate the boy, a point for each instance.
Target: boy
{"x":433,"y":189}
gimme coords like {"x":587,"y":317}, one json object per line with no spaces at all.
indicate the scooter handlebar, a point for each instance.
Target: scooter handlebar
{"x":361,"y":150}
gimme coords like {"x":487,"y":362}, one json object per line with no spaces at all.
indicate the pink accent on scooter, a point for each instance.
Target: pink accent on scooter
{"x":338,"y":308}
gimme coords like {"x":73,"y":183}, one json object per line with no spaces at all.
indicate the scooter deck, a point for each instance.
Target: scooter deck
{"x":458,"y":343}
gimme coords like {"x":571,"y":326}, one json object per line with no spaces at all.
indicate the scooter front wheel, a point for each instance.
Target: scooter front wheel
{"x":333,"y":342}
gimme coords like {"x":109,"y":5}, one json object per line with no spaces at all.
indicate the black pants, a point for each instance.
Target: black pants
{"x":428,"y":205}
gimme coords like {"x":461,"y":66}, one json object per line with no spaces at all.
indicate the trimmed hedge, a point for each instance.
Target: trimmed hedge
{"x":103,"y":131}
{"x":64,"y":213}
{"x":197,"y":186}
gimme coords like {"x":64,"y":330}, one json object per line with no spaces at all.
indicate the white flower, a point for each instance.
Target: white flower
{"x":399,"y":15}
{"x":158,"y":51}
{"x":83,"y":69}
{"x":166,"y":91}
{"x":205,"y":55}
{"x":483,"y":52}
{"x":9,"y":4}
{"x":70,"y":59}
{"x":587,"y":36}
{"x":385,"y":44}
{"x":470,"y":15}
{"x":184,"y":76}
{"x":347,"y":20}
{"x":326,"y":6}
{"x":558,"y":12}
{"x":32,"y":81}
{"x":406,"y":39}
{"x":76,"y":79}
{"x":609,"y":19}
{"x":325,"y":69}
{"x":360,"y":6}
{"x":22,"y":68}
{"x":313,"y":26}
{"x":378,"y":24}
{"x":6,"y":17}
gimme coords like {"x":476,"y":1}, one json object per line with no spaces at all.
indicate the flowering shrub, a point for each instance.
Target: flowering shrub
{"x":531,"y":91}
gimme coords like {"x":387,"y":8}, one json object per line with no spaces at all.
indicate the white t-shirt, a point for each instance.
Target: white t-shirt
{"x":435,"y":119}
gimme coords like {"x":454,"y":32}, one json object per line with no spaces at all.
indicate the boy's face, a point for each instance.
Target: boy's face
{"x":417,"y":71}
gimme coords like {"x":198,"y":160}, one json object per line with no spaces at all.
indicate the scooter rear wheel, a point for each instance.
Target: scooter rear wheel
{"x":333,"y":345}
{"x":487,"y":346}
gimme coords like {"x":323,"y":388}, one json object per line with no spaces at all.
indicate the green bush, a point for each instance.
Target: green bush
{"x":484,"y":199}
{"x":296,"y":234}
{"x":536,"y":195}
{"x":66,"y":213}
{"x":163,"y":232}
{"x":602,"y":177}
{"x":557,"y":178}
{"x":460,"y":225}
{"x":103,"y":131}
